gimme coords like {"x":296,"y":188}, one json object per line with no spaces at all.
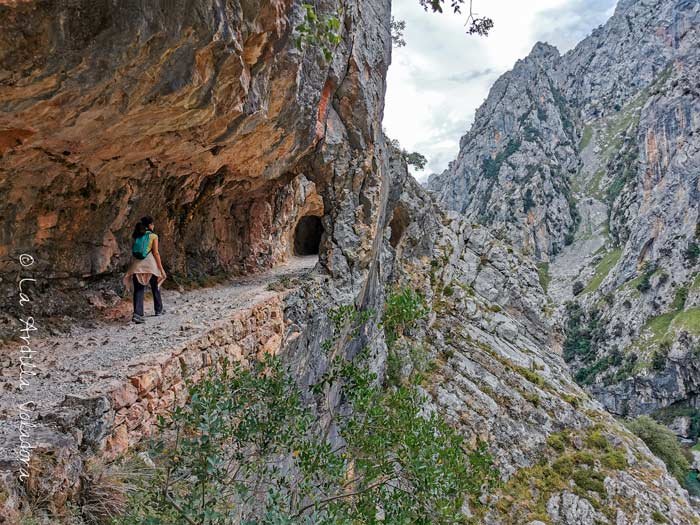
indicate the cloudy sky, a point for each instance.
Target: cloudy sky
{"x":442,"y":75}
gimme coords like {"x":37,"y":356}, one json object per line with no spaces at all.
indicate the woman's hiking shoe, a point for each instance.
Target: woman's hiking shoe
{"x":138,"y":319}
{"x":162,"y":312}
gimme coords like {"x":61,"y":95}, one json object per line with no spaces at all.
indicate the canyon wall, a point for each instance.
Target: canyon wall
{"x":205,"y":114}
{"x":596,"y":178}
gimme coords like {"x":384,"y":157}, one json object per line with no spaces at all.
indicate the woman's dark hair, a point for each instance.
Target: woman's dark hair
{"x":142,"y":227}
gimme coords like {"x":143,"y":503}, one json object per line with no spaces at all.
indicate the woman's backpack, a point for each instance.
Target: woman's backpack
{"x":142,"y":246}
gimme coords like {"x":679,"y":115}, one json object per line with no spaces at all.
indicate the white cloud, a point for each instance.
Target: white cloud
{"x":439,"y":79}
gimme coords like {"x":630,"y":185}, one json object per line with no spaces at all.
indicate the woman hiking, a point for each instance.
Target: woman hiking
{"x":145,"y":269}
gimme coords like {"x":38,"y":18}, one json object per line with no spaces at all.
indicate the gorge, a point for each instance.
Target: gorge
{"x":557,"y":296}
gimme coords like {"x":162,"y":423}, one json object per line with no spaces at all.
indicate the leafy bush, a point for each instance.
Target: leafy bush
{"x":614,"y":460}
{"x":663,"y":443}
{"x":403,"y":309}
{"x":319,"y":31}
{"x":245,"y":448}
{"x":659,"y":357}
{"x":587,"y":375}
{"x":589,"y":479}
{"x":644,"y":284}
{"x":556,"y":441}
{"x":582,"y":330}
{"x":692,"y":252}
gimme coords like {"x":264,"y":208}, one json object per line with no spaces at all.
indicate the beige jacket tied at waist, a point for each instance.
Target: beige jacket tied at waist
{"x":143,"y":269}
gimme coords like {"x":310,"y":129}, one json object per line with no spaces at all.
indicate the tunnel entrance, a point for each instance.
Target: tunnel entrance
{"x":307,"y":235}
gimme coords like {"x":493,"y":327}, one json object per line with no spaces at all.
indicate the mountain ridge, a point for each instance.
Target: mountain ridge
{"x":622,"y":240}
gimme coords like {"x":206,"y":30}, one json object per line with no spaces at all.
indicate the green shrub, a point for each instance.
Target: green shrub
{"x":587,"y":374}
{"x":680,"y":297}
{"x":614,"y":459}
{"x":692,"y":252}
{"x":644,"y":284}
{"x":582,"y":330}
{"x":557,"y":442}
{"x":492,"y":166}
{"x":322,"y":32}
{"x":589,"y":479}
{"x":403,"y":309}
{"x":659,"y":357}
{"x":240,"y":425}
{"x":597,"y":440}
{"x":584,"y":458}
{"x":663,"y":443}
{"x":564,"y":466}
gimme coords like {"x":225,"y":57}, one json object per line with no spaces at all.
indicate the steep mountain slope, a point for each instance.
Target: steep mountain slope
{"x":498,"y":380}
{"x":511,"y":172}
{"x":208,"y":114}
{"x":631,"y":95}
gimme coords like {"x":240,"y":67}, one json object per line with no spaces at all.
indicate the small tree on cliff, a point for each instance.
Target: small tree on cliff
{"x":324,"y":32}
{"x":415,"y":159}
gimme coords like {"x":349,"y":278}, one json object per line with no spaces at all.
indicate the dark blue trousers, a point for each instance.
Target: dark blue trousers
{"x":139,"y":291}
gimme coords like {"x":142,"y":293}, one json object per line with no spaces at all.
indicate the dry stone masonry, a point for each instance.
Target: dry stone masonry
{"x":206,"y":114}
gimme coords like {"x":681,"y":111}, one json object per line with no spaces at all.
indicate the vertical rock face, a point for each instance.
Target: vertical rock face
{"x":201,"y":114}
{"x":204,"y":114}
{"x":498,"y":380}
{"x":628,"y":100}
{"x":513,"y":166}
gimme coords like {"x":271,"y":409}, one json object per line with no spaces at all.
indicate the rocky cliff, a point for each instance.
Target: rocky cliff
{"x":206,"y":115}
{"x":621,"y":239}
{"x":512,"y":171}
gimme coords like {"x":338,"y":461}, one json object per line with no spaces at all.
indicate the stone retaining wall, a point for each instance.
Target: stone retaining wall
{"x":116,"y":416}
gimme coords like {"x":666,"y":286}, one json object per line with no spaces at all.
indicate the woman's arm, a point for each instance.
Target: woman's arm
{"x":156,"y":255}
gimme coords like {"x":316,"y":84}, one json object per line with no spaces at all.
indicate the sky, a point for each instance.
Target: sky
{"x":443,"y":75}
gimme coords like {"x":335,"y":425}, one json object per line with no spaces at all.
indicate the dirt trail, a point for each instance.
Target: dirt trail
{"x":75,"y":363}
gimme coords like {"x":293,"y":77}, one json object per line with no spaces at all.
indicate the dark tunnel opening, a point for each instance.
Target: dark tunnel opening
{"x":307,"y":236}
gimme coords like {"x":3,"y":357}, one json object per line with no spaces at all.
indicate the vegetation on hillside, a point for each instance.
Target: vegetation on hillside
{"x":663,"y":443}
{"x":248,"y":447}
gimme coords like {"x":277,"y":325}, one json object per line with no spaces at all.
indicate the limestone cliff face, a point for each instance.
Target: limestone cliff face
{"x":203,"y":115}
{"x":206,"y":115}
{"x":630,"y":95}
{"x":498,"y":379}
{"x":513,"y":166}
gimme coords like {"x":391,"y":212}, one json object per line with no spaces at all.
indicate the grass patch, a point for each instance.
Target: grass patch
{"x":593,"y":187}
{"x":543,"y":273}
{"x":528,"y":374}
{"x":586,"y":138}
{"x":523,"y":498}
{"x":603,"y":269}
{"x":662,"y":327}
{"x":688,"y":320}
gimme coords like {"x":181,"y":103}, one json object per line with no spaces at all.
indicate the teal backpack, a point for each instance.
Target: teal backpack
{"x":140,"y":248}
